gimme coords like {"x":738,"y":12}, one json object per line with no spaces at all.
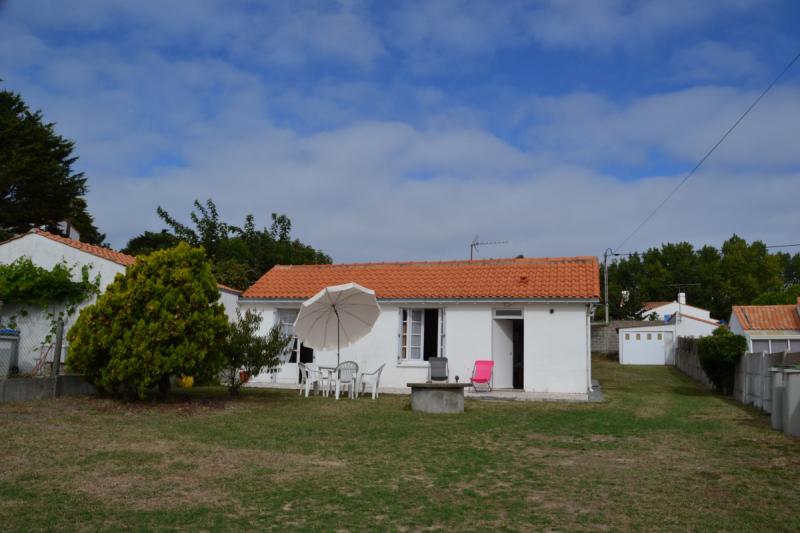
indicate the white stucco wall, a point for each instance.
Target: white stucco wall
{"x":34,"y":326}
{"x":673,"y":307}
{"x":46,"y":253}
{"x":688,"y":327}
{"x":557,"y":357}
{"x":556,"y":347}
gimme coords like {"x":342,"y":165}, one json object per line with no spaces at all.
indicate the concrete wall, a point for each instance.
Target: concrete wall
{"x":556,"y":345}
{"x":25,"y":389}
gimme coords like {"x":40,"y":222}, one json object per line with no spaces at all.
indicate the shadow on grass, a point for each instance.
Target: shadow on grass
{"x":691,"y":391}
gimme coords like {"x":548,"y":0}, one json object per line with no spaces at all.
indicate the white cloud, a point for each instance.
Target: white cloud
{"x":712,"y":61}
{"x":591,"y":129}
{"x":393,"y":170}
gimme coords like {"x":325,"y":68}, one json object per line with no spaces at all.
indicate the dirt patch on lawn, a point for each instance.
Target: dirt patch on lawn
{"x":164,"y":474}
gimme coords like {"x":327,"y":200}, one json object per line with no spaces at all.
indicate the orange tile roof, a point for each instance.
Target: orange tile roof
{"x":768,"y":316}
{"x":99,"y":251}
{"x":563,"y":277}
{"x":652,"y":305}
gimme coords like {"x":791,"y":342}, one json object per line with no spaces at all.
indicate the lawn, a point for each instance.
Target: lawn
{"x":659,"y":454}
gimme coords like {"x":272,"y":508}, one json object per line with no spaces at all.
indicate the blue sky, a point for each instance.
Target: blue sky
{"x":400,"y":130}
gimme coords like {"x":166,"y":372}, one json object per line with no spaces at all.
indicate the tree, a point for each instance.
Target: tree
{"x":249,"y":352}
{"x":718,"y":354}
{"x":149,"y":242}
{"x":38,"y":186}
{"x":161,"y":318}
{"x":786,"y":296}
{"x":239,"y":255}
{"x":736,"y":274}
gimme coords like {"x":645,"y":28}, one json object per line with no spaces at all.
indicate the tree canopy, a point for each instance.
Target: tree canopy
{"x":38,"y":186}
{"x":239,"y":255}
{"x":714,"y":279}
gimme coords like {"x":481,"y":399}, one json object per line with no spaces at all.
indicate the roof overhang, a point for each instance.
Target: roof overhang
{"x":441,"y":301}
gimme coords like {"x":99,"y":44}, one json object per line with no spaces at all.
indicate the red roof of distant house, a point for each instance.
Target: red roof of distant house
{"x":99,"y":251}
{"x":104,"y":253}
{"x":521,"y":278}
{"x":652,"y":305}
{"x":768,"y":316}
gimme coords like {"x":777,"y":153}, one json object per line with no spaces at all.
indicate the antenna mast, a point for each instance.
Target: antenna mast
{"x":473,"y":246}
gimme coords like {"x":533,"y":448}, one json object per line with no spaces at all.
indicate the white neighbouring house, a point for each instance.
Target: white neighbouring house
{"x":531,"y":316}
{"x":654,"y":344}
{"x":46,"y":250}
{"x":768,"y":328}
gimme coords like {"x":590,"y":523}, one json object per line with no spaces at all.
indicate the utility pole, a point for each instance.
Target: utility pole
{"x":608,"y":252}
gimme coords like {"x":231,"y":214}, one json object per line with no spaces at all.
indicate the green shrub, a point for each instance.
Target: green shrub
{"x":719,"y":354}
{"x":249,"y":352}
{"x":161,"y":318}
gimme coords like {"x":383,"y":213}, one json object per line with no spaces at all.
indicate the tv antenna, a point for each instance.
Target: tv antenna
{"x":473,"y":246}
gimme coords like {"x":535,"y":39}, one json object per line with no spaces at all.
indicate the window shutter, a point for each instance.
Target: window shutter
{"x":442,"y":332}
{"x":399,"y":333}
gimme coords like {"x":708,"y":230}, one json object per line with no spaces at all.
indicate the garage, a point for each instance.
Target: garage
{"x":646,"y":345}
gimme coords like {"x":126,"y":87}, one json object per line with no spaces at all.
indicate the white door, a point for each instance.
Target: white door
{"x":642,"y":347}
{"x":669,"y":348}
{"x":503,"y":353}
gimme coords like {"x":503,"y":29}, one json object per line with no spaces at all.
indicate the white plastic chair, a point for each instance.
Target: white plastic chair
{"x":346,"y":375}
{"x":372,"y":379}
{"x":310,"y":376}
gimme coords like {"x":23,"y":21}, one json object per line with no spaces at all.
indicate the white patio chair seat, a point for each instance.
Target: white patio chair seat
{"x":346,"y":376}
{"x":373,"y":379}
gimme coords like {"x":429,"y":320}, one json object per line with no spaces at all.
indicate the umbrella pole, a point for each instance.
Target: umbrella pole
{"x":338,"y":328}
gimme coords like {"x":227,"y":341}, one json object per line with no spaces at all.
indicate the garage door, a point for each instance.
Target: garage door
{"x":643,"y":348}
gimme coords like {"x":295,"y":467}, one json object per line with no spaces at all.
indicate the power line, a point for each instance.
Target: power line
{"x":711,"y":151}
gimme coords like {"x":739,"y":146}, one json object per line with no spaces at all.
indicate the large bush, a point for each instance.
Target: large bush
{"x":161,"y":318}
{"x":248,"y":352}
{"x":719,"y":354}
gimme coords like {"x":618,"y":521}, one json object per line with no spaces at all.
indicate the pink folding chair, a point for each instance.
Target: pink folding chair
{"x":482,"y":376}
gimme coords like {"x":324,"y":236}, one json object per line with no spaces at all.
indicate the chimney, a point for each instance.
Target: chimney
{"x":682,"y":298}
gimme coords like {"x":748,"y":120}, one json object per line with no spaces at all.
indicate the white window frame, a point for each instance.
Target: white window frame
{"x":402,"y":335}
{"x":288,"y":327}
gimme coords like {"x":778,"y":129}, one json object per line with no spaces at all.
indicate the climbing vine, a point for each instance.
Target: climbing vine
{"x":27,"y":285}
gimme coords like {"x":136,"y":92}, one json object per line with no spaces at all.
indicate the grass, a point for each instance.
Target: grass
{"x":660,"y":454}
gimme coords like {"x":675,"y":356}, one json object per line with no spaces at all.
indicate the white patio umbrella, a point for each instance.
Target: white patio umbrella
{"x":336,"y":316}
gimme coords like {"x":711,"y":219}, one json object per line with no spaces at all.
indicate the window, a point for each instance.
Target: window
{"x":286,"y":318}
{"x":779,"y":345}
{"x":760,"y":346}
{"x":421,"y":334}
{"x":638,"y":336}
{"x":649,"y":336}
{"x":508,"y":313}
{"x":660,"y":336}
{"x":627,"y":336}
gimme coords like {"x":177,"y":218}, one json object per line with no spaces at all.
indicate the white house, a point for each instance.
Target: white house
{"x":768,"y":328}
{"x":665,"y":310}
{"x":654,"y":344}
{"x":46,"y":250}
{"x":531,"y":316}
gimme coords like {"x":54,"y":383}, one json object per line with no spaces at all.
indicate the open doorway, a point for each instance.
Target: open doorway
{"x":508,"y":349}
{"x":518,"y":349}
